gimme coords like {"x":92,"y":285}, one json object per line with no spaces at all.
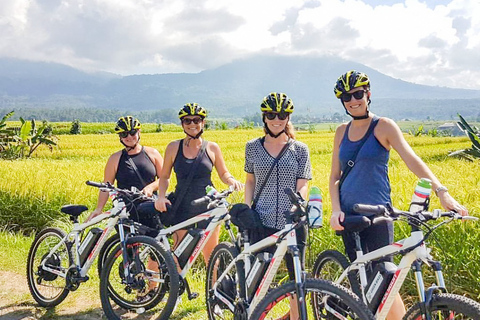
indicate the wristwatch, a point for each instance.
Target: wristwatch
{"x":440,"y":189}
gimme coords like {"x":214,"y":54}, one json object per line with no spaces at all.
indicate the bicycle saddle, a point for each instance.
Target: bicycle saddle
{"x":73,"y":210}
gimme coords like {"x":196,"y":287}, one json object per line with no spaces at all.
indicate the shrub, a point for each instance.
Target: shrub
{"x":76,"y":127}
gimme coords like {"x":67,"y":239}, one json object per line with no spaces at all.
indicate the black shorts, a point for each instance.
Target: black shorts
{"x":372,"y":238}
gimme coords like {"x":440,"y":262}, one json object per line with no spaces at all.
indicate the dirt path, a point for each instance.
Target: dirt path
{"x":16,"y":302}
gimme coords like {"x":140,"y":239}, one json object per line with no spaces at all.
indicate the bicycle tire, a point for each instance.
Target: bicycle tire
{"x":220,"y":258}
{"x":105,"y":251}
{"x":330,"y":264}
{"x":119,"y":298}
{"x":62,"y":259}
{"x":447,"y":306}
{"x":339,"y":298}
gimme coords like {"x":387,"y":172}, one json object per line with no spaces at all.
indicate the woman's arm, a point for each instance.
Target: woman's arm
{"x":335,"y":174}
{"x":302,"y":187}
{"x":164,"y":178}
{"x":394,"y":138}
{"x":249,"y":188}
{"x":109,"y":174}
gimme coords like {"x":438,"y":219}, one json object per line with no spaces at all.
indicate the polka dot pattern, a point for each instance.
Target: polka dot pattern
{"x":293,"y":165}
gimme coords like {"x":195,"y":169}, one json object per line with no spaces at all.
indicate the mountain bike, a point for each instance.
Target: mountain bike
{"x":238,"y":282}
{"x":379,"y":289}
{"x":58,"y":262}
{"x":186,"y":253}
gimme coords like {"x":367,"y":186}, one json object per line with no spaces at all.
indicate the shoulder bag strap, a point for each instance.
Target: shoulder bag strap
{"x":181,"y":194}
{"x":282,"y":152}
{"x":351,"y":162}
{"x":134,"y":166}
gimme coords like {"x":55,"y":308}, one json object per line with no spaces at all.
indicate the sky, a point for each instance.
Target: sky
{"x":422,"y":41}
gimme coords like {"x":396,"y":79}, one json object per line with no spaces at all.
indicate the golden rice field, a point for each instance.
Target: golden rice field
{"x":32,"y":190}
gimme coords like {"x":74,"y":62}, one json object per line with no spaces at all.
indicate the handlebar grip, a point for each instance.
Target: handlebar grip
{"x":292,"y":196}
{"x":200,"y":201}
{"x":366,"y":208}
{"x":95,"y":184}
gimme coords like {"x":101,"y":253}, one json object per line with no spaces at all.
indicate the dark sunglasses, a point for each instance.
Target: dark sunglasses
{"x":125,"y":134}
{"x":194,"y":120}
{"x":272,"y":115}
{"x":357,"y":95}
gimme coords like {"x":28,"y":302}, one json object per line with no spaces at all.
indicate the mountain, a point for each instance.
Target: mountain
{"x":232,"y":90}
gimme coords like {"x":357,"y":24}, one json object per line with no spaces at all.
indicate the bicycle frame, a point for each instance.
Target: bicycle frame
{"x":115,"y":214}
{"x":288,"y":242}
{"x":419,"y":253}
{"x":218,"y":215}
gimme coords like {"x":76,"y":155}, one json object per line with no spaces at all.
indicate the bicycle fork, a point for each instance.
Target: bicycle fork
{"x":427,"y":295}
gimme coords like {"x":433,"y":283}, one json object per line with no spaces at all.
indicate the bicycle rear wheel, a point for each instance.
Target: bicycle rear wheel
{"x":47,"y":288}
{"x":447,"y":306}
{"x":336,"y":300}
{"x":154,"y":281}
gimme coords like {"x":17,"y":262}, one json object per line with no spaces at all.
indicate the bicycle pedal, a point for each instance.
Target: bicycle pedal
{"x":192,"y":295}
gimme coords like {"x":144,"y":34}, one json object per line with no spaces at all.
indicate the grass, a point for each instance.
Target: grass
{"x":34,"y":189}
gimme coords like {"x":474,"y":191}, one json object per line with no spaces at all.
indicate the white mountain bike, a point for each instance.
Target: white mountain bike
{"x":58,"y":262}
{"x":380,"y":289}
{"x":238,"y":283}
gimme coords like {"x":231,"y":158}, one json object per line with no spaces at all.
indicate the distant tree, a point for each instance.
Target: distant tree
{"x":76,"y":127}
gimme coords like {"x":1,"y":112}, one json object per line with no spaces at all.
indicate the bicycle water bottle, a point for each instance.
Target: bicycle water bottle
{"x":211,"y":191}
{"x":421,"y":196}
{"x":315,"y":207}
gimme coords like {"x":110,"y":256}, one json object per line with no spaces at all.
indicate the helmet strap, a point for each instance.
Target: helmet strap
{"x":270,"y":132}
{"x":196,"y":136}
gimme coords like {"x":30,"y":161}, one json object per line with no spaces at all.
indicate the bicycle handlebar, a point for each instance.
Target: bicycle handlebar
{"x":107,"y":186}
{"x":366,"y":208}
{"x":212,"y":197}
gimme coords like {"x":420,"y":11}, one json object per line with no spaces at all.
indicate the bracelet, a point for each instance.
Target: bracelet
{"x":441,"y":189}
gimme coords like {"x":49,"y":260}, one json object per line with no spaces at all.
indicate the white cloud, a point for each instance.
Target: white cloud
{"x":423,"y":41}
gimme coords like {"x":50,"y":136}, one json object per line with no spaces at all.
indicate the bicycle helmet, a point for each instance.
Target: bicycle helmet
{"x":348,"y":81}
{"x":277,"y":102}
{"x":125,"y":124}
{"x":192,"y":109}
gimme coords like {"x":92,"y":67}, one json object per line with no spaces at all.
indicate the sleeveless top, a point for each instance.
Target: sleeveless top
{"x":196,"y":189}
{"x":368,"y":181}
{"x":293,"y":165}
{"x":126,"y":176}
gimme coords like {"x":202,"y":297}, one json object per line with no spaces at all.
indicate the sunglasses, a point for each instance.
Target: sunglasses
{"x":357,"y":95}
{"x":125,"y":134}
{"x":194,"y":120}
{"x":272,"y":115}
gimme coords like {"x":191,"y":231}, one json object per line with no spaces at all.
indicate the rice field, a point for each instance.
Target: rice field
{"x":32,"y":190}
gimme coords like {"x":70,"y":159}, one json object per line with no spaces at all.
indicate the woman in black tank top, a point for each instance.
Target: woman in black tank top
{"x":180,"y":156}
{"x":134,"y":166}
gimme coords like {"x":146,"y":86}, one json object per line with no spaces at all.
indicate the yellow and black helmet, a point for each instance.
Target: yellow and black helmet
{"x":277,"y":102}
{"x":125,"y":124}
{"x":350,"y":80}
{"x":192,"y":109}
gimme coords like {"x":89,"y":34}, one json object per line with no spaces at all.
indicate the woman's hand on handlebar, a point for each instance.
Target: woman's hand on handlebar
{"x":237,"y":185}
{"x":148,"y":190}
{"x":449,"y":203}
{"x":161,"y":204}
{"x":336,"y":219}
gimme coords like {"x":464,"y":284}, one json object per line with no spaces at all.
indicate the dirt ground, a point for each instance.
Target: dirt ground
{"x":16,"y":302}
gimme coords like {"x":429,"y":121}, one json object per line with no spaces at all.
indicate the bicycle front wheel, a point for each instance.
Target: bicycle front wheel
{"x":222,"y":255}
{"x":447,"y":306}
{"x":150,"y":281}
{"x":337,"y":302}
{"x":46,"y":287}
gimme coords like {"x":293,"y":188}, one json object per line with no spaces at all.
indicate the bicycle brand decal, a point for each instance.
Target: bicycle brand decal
{"x":197,"y":248}
{"x":265,"y":278}
{"x":389,"y":289}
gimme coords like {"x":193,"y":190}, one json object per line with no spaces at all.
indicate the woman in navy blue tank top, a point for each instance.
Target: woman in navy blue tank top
{"x":119,"y":167}
{"x":180,"y":156}
{"x":367,"y":182}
